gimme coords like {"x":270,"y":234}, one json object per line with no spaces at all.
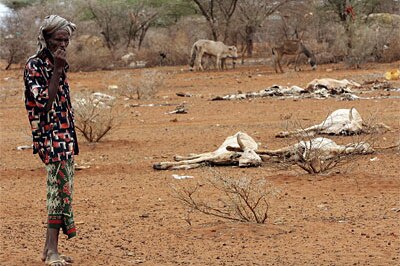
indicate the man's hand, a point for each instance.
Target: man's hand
{"x":60,"y":58}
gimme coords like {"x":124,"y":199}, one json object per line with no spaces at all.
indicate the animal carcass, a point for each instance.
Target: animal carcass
{"x":324,"y":147}
{"x":238,"y":149}
{"x":340,"y":122}
{"x":332,"y":85}
{"x":318,"y":154}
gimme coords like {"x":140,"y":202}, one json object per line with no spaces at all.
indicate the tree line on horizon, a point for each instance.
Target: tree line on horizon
{"x":162,"y":32}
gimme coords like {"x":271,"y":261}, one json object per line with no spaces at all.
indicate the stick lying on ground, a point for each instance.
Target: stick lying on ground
{"x":180,"y":109}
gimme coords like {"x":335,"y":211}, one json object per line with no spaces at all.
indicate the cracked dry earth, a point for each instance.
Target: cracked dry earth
{"x":126,"y":213}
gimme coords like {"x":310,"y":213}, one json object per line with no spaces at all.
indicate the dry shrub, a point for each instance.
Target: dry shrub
{"x":244,"y":199}
{"x":95,"y":117}
{"x":391,"y":50}
{"x":385,"y":29}
{"x":150,"y":56}
{"x":13,"y":47}
{"x":146,"y":87}
{"x":364,"y":41}
{"x":370,"y":41}
{"x":150,"y":83}
{"x":313,"y":161}
{"x":172,"y":56}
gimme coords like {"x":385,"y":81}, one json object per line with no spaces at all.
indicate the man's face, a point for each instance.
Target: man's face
{"x":59,"y":39}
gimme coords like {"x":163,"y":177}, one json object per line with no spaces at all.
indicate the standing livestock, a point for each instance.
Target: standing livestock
{"x":292,"y":47}
{"x":212,"y":48}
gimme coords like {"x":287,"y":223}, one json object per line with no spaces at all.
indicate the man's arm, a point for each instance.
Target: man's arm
{"x":59,"y":63}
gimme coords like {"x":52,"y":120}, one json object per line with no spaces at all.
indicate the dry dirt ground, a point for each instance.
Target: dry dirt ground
{"x":126,"y":213}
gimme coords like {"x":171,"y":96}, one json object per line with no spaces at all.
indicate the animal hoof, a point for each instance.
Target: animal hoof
{"x":281,"y":135}
{"x":157,"y":166}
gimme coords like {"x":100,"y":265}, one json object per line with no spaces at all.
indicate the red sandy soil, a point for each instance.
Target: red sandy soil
{"x":126,"y":213}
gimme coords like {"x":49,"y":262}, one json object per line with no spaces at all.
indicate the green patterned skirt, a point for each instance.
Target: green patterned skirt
{"x":60,"y":181}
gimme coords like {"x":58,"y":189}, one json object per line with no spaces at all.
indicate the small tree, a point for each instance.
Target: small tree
{"x":351,"y":14}
{"x":19,"y":28}
{"x":251,"y":14}
{"x":14,"y":40}
{"x":122,"y":23}
{"x":218,"y":14}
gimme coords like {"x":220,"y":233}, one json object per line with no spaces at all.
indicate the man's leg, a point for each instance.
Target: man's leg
{"x":46,"y":244}
{"x":52,"y":247}
{"x":59,"y":199}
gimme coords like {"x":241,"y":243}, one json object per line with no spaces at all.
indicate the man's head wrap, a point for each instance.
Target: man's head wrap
{"x":50,"y":25}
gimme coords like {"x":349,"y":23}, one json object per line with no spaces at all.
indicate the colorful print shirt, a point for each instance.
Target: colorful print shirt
{"x":53,"y":132}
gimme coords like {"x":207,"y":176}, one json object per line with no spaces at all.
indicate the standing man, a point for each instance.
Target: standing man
{"x":50,"y":114}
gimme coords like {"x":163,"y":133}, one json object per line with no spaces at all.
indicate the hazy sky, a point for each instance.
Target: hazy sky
{"x":3,"y":9}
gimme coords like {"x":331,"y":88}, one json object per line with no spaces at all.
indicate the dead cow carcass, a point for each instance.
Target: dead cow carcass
{"x":340,"y":122}
{"x":318,"y":154}
{"x":334,"y":86}
{"x":238,"y":149}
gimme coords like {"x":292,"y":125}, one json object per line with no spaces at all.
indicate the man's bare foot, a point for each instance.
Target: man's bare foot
{"x":68,"y":259}
{"x":54,"y":259}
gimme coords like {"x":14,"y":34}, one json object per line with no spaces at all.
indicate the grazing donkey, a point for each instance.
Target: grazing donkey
{"x":292,"y":47}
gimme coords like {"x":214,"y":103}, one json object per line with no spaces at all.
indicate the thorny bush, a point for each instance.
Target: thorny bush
{"x":244,"y":199}
{"x":94,"y":115}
